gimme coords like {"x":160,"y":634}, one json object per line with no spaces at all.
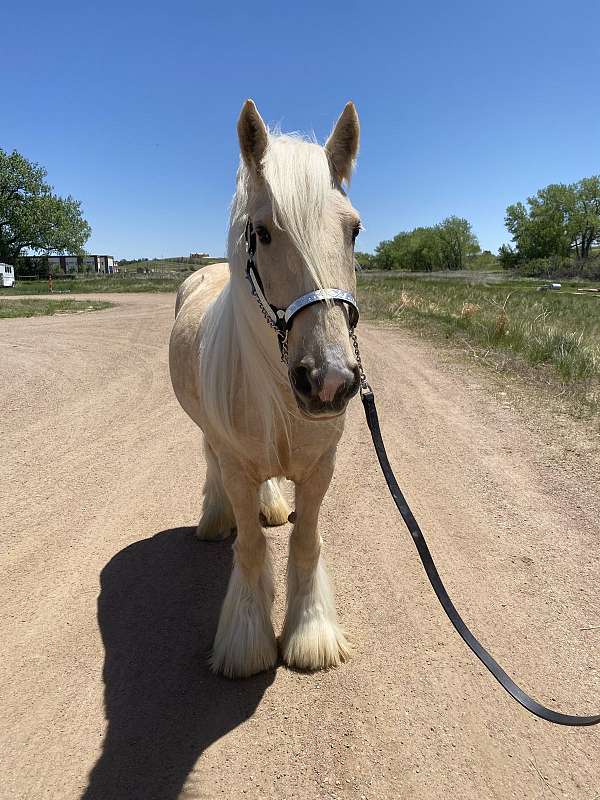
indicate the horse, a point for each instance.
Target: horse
{"x":272,"y":407}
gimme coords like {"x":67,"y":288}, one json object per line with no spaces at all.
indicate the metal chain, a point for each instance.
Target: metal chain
{"x":265,"y":313}
{"x":283,"y":345}
{"x":364,"y":384}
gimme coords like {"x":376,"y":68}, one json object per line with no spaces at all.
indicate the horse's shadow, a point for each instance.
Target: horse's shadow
{"x":158,"y":610}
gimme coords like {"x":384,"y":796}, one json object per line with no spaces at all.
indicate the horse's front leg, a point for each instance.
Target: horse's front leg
{"x":245,"y":642}
{"x":312,"y":637}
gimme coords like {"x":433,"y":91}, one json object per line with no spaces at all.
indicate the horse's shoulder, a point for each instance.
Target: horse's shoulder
{"x":203,"y":285}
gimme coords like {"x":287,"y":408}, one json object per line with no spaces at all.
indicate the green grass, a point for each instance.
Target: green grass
{"x":44,"y":308}
{"x":166,"y":276}
{"x":170,"y":264}
{"x":110,"y":283}
{"x":555,"y":334}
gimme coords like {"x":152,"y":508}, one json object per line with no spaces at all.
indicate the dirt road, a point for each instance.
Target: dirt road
{"x":109,"y":604}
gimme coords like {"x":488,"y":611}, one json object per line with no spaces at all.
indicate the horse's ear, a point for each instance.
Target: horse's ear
{"x":253,"y":136}
{"x":342,"y":145}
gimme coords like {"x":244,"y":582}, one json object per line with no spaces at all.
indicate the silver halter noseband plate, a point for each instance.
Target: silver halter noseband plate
{"x":280,"y":319}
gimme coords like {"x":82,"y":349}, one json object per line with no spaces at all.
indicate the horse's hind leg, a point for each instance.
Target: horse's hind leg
{"x":312,"y":637}
{"x":217,"y":520}
{"x":245,"y":642}
{"x":274,"y":509}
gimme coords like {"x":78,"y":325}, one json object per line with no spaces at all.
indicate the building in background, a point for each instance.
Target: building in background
{"x":69,"y":264}
{"x":91,"y":263}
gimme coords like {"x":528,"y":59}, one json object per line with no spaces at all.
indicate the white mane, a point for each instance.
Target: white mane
{"x":239,"y":350}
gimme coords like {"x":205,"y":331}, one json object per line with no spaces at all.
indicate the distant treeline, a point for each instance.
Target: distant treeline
{"x":557,"y":231}
{"x":443,"y":246}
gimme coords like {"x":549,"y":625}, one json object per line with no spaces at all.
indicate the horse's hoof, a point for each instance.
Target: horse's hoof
{"x":233,"y":661}
{"x":314,"y":645}
{"x":210,"y":533}
{"x":274,"y":514}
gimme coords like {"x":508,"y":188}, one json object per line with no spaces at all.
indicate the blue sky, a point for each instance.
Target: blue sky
{"x":465,"y":106}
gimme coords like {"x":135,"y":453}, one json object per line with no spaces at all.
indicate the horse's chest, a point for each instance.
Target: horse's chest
{"x":297,"y":451}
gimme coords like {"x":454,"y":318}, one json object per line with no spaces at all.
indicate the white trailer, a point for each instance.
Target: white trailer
{"x":7,"y":275}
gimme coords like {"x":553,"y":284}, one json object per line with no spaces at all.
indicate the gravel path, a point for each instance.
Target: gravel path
{"x":109,"y":604}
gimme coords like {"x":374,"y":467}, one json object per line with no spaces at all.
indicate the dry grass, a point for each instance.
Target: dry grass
{"x":542,"y":334}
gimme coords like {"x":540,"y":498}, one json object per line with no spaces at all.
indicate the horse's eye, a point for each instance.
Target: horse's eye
{"x":263,"y":235}
{"x":356,"y":231}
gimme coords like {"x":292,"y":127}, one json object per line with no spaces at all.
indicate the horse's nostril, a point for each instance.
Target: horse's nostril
{"x":353,"y":388}
{"x":301,"y":379}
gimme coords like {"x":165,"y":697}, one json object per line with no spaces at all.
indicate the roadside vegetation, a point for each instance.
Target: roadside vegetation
{"x":99,"y":285}
{"x":550,"y":335}
{"x":43,"y":308}
{"x":173,"y":264}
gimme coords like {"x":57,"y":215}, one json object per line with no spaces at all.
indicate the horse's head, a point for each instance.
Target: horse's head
{"x":305,"y":230}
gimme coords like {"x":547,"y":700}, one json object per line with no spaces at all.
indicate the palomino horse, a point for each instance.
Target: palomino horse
{"x":270,"y":412}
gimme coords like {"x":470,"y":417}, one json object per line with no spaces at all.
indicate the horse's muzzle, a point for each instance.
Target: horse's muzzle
{"x":323,"y":391}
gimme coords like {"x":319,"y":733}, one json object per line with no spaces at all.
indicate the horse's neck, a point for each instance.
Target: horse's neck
{"x":254,"y":342}
{"x":250,"y":397}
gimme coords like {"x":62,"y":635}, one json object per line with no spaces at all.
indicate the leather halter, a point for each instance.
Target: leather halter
{"x":280,"y":319}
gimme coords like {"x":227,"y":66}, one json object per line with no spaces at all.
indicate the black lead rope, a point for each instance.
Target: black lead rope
{"x":280,"y":320}
{"x":438,"y":587}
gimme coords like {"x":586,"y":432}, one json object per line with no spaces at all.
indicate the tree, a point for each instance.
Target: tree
{"x":508,"y":257}
{"x":32,"y":217}
{"x":543,"y":229}
{"x":385,"y":256}
{"x":365,"y":260}
{"x":485,"y":260}
{"x":443,"y":246}
{"x":560,"y":219}
{"x":409,"y":250}
{"x":457,"y":241}
{"x":585,"y":220}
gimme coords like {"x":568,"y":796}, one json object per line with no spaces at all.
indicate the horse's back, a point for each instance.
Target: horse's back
{"x":202,"y":286}
{"x":194,"y":296}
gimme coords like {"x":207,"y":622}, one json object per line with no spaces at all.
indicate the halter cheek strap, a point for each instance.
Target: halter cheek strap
{"x":280,"y":319}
